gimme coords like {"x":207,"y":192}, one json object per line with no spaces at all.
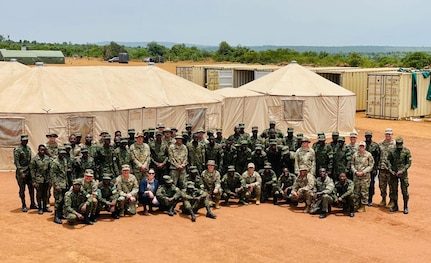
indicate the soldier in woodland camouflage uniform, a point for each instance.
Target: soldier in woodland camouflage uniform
{"x":219,"y":136}
{"x":89,"y":186}
{"x":322,"y":194}
{"x":196,"y":153}
{"x":159,"y":157}
{"x":233,"y":186}
{"x":374,"y":149}
{"x":228,"y":156}
{"x":258,"y":157}
{"x":344,"y":194}
{"x":59,"y":183}
{"x":362,"y":165}
{"x":51,"y":146}
{"x":400,"y":160}
{"x":341,"y":159}
{"x":268,"y":184}
{"x":168,"y":195}
{"x":243,"y":157}
{"x":107,"y":195}
{"x":40,"y":177}
{"x":82,"y":163}
{"x":290,"y":139}
{"x":322,"y":152}
{"x":254,"y":139}
{"x":213,"y":151}
{"x":195,"y":199}
{"x":122,"y":156}
{"x":285,"y":183}
{"x":76,"y":204}
{"x":384,"y":174}
{"x":105,"y":158}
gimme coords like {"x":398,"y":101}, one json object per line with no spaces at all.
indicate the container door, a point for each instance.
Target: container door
{"x":374,"y":96}
{"x":391,"y":94}
{"x":225,"y":78}
{"x":212,"y":82}
{"x":259,"y":74}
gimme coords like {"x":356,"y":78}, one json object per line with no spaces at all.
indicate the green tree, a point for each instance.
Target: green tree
{"x":416,"y":60}
{"x":155,"y":49}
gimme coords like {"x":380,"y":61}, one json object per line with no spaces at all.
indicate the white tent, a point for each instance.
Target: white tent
{"x":299,"y":98}
{"x":67,"y":100}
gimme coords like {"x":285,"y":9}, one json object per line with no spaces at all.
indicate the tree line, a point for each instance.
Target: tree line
{"x":228,"y":53}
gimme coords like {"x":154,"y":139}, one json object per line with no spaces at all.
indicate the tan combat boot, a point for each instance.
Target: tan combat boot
{"x":257,"y":199}
{"x":307,"y":209}
{"x":217,"y":204}
{"x":361,"y":208}
{"x":390,"y":204}
{"x":383,"y":202}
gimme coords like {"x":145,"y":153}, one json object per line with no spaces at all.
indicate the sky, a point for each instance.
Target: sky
{"x":238,"y":22}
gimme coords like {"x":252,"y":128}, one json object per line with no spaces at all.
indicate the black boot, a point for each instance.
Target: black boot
{"x":57,"y":219}
{"x":23,"y":206}
{"x":322,"y":215}
{"x":171,"y":211}
{"x":87,"y":221}
{"x":352,"y":211}
{"x":275,"y":200}
{"x":210,"y":213}
{"x":192,"y":214}
{"x":406,"y":209}
{"x":395,"y":207}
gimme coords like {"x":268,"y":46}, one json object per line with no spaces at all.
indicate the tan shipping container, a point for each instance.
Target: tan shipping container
{"x":390,"y":96}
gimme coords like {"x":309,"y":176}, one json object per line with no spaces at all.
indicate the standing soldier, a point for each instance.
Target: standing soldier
{"x":374,"y":149}
{"x":213,"y":151}
{"x":290,"y":139}
{"x":131,"y":140}
{"x":273,"y":153}
{"x":322,"y":152}
{"x":82,"y":163}
{"x":236,"y":137}
{"x":128,"y":188}
{"x":159,"y":156}
{"x":39,"y":170}
{"x":253,"y":183}
{"x":141,"y":157}
{"x":22,"y":158}
{"x":59,"y":183}
{"x":254,"y":139}
{"x":51,"y":145}
{"x":400,"y":160}
{"x":90,"y":145}
{"x":384,"y":174}
{"x":228,"y":156}
{"x":105,"y":158}
{"x":258,"y":157}
{"x":212,"y":183}
{"x":219,"y":136}
{"x":362,"y":165}
{"x":76,"y":150}
{"x":353,"y":145}
{"x":196,"y":153}
{"x":243,"y":157}
{"x":122,"y":156}
{"x":178,"y":158}
{"x":305,"y":156}
{"x":341,"y":159}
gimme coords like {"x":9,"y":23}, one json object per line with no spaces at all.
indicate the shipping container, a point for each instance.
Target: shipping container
{"x":390,"y":95}
{"x":353,"y":79}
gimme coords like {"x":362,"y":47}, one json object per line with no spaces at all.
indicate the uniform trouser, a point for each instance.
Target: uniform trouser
{"x":371,"y":189}
{"x":215,"y":197}
{"x":59,"y":199}
{"x":384,"y":177}
{"x":178,"y":177}
{"x":303,"y":196}
{"x":94,"y":203}
{"x":195,"y":205}
{"x":362,"y":185}
{"x":72,"y":218}
{"x":226,"y":196}
{"x":165,"y":204}
{"x":268,"y":190}
{"x":326,"y":202}
{"x":101,"y":204}
{"x":404,"y":181}
{"x":139,"y":175}
{"x":42,"y":195}
{"x":124,"y":203}
{"x":22,"y":182}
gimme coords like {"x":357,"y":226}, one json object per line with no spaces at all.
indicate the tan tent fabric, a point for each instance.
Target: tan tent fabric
{"x":326,"y":107}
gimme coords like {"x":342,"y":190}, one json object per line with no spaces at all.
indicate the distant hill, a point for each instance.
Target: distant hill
{"x":328,"y":49}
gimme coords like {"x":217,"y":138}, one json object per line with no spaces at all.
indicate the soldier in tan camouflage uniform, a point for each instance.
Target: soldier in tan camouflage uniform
{"x":128,"y":188}
{"x":305,"y":156}
{"x":362,"y":165}
{"x":178,"y":158}
{"x":89,"y":186}
{"x":302,"y":189}
{"x":51,"y":145}
{"x":386,"y":146}
{"x":253,"y":183}
{"x":141,"y":157}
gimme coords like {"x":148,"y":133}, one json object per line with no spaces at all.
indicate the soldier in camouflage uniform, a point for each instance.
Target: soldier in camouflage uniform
{"x":322,"y":194}
{"x":285,"y":183}
{"x":253,"y":183}
{"x":287,"y":159}
{"x":194,"y":177}
{"x":265,"y":133}
{"x":107,"y":195}
{"x":159,"y":157}
{"x":269,"y":184}
{"x":384,"y":174}
{"x":219,"y":136}
{"x":89,"y":186}
{"x":400,"y":160}
{"x":305,"y":156}
{"x":322,"y":152}
{"x":76,"y":150}
{"x":195,"y":199}
{"x":51,"y":146}
{"x":353,"y":145}
{"x":290,"y":139}
{"x":122,"y":156}
{"x":141,"y":157}
{"x":22,"y":158}
{"x":128,"y":188}
{"x":196,"y":153}
{"x":212,"y":184}
{"x":82,"y":163}
{"x":90,"y":145}
{"x":258,"y":157}
{"x":243,"y":157}
{"x":40,"y":177}
{"x":362,"y":165}
{"x":168,"y":195}
{"x":233,"y":185}
{"x":131,"y":132}
{"x":254,"y":139}
{"x":59,"y":183}
{"x":302,"y":189}
{"x":213,"y":151}
{"x":374,"y":149}
{"x":273,"y":153}
{"x":344,"y":194}
{"x":76,"y":204}
{"x":228,"y":156}
{"x":105,"y":158}
{"x":178,"y":158}
{"x":236,"y":137}
{"x":341,"y":160}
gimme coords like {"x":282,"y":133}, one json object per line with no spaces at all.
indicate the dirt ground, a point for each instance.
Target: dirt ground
{"x":264,"y":233}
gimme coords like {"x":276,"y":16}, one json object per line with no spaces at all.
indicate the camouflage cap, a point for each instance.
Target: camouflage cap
{"x":107,"y":137}
{"x":63,"y":151}
{"x":353,"y":134}
{"x":267,"y":166}
{"x":290,"y":129}
{"x":389,"y":131}
{"x":167,"y":130}
{"x":160,"y":125}
{"x":211,"y":162}
{"x":218,"y":130}
{"x":241,"y":125}
{"x":129,"y":131}
{"x":83,"y":150}
{"x":139,"y":134}
{"x":362,"y":144}
{"x":188,"y":125}
{"x":53,"y":135}
{"x":179,"y":137}
{"x":89,"y":172}
{"x":335,"y":133}
{"x":250,"y":165}
{"x":200,"y":130}
{"x":174,"y":129}
{"x":321,"y":138}
{"x":399,"y":139}
{"x":194,"y":170}
{"x":24,"y":137}
{"x":67,"y":145}
{"x":271,"y":122}
{"x":124,"y":140}
{"x":299,"y":135}
{"x":244,"y":142}
{"x":151,"y":129}
{"x":341,"y":139}
{"x":103,"y":132}
{"x":159,"y":133}
{"x":231,"y":168}
{"x":254,"y":128}
{"x":303,"y":167}
{"x":258,"y":147}
{"x":305,"y":139}
{"x":168,"y":180}
{"x":77,"y":181}
{"x":125,"y":167}
{"x":76,"y":134}
{"x":107,"y":176}
{"x":190,"y":185}
{"x":210,"y":132}
{"x":368,"y":133}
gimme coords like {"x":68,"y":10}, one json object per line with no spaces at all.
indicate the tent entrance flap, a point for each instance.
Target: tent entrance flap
{"x":197,"y":118}
{"x":293,"y":110}
{"x":10,"y":131}
{"x":83,"y":125}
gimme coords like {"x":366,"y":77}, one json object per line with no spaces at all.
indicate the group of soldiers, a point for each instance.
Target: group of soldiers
{"x":160,"y":167}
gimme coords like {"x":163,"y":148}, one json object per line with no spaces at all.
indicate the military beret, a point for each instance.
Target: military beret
{"x":24,"y":137}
